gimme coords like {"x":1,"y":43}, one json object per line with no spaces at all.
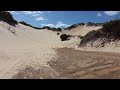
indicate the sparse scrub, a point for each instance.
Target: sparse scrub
{"x":110,"y":31}
{"x":92,"y":35}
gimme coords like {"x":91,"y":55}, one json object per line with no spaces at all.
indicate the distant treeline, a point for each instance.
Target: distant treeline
{"x":52,"y":29}
{"x":7,"y":17}
{"x":26,"y":24}
{"x":45,"y":27}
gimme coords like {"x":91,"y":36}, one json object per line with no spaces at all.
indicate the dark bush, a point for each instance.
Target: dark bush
{"x":59,"y":29}
{"x":98,"y":24}
{"x":64,"y":37}
{"x":90,"y":24}
{"x":7,"y":17}
{"x":47,"y":27}
{"x":112,"y":27}
{"x":53,"y":29}
{"x":81,"y":23}
{"x":80,"y":37}
{"x":56,"y":29}
{"x":26,"y":24}
{"x":57,"y":33}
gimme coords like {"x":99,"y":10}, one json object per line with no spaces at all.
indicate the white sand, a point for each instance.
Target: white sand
{"x":31,"y":47}
{"x":27,"y":47}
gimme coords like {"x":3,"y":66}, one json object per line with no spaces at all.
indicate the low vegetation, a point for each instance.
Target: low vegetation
{"x":75,"y":25}
{"x":52,"y":29}
{"x":64,"y":37}
{"x":56,"y":29}
{"x":26,"y":24}
{"x":110,"y":31}
{"x":46,"y":27}
{"x":82,"y":24}
{"x":7,"y":17}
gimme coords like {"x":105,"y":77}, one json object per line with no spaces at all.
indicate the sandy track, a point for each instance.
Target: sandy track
{"x":75,"y":64}
{"x":33,"y":54}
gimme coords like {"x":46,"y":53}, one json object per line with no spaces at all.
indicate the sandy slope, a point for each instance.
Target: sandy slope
{"x":27,"y":47}
{"x":76,"y":64}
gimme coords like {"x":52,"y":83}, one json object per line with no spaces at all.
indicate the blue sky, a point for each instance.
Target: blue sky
{"x":63,"y":18}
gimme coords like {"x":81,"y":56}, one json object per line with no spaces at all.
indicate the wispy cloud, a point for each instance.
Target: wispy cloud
{"x":111,"y":13}
{"x":39,"y":19}
{"x":34,"y":15}
{"x":49,"y":11}
{"x":59,"y":24}
{"x":99,"y":14}
{"x":31,"y":12}
{"x":50,"y":25}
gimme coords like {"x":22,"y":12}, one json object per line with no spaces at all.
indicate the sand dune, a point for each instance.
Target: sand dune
{"x":28,"y":47}
{"x":81,"y":30}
